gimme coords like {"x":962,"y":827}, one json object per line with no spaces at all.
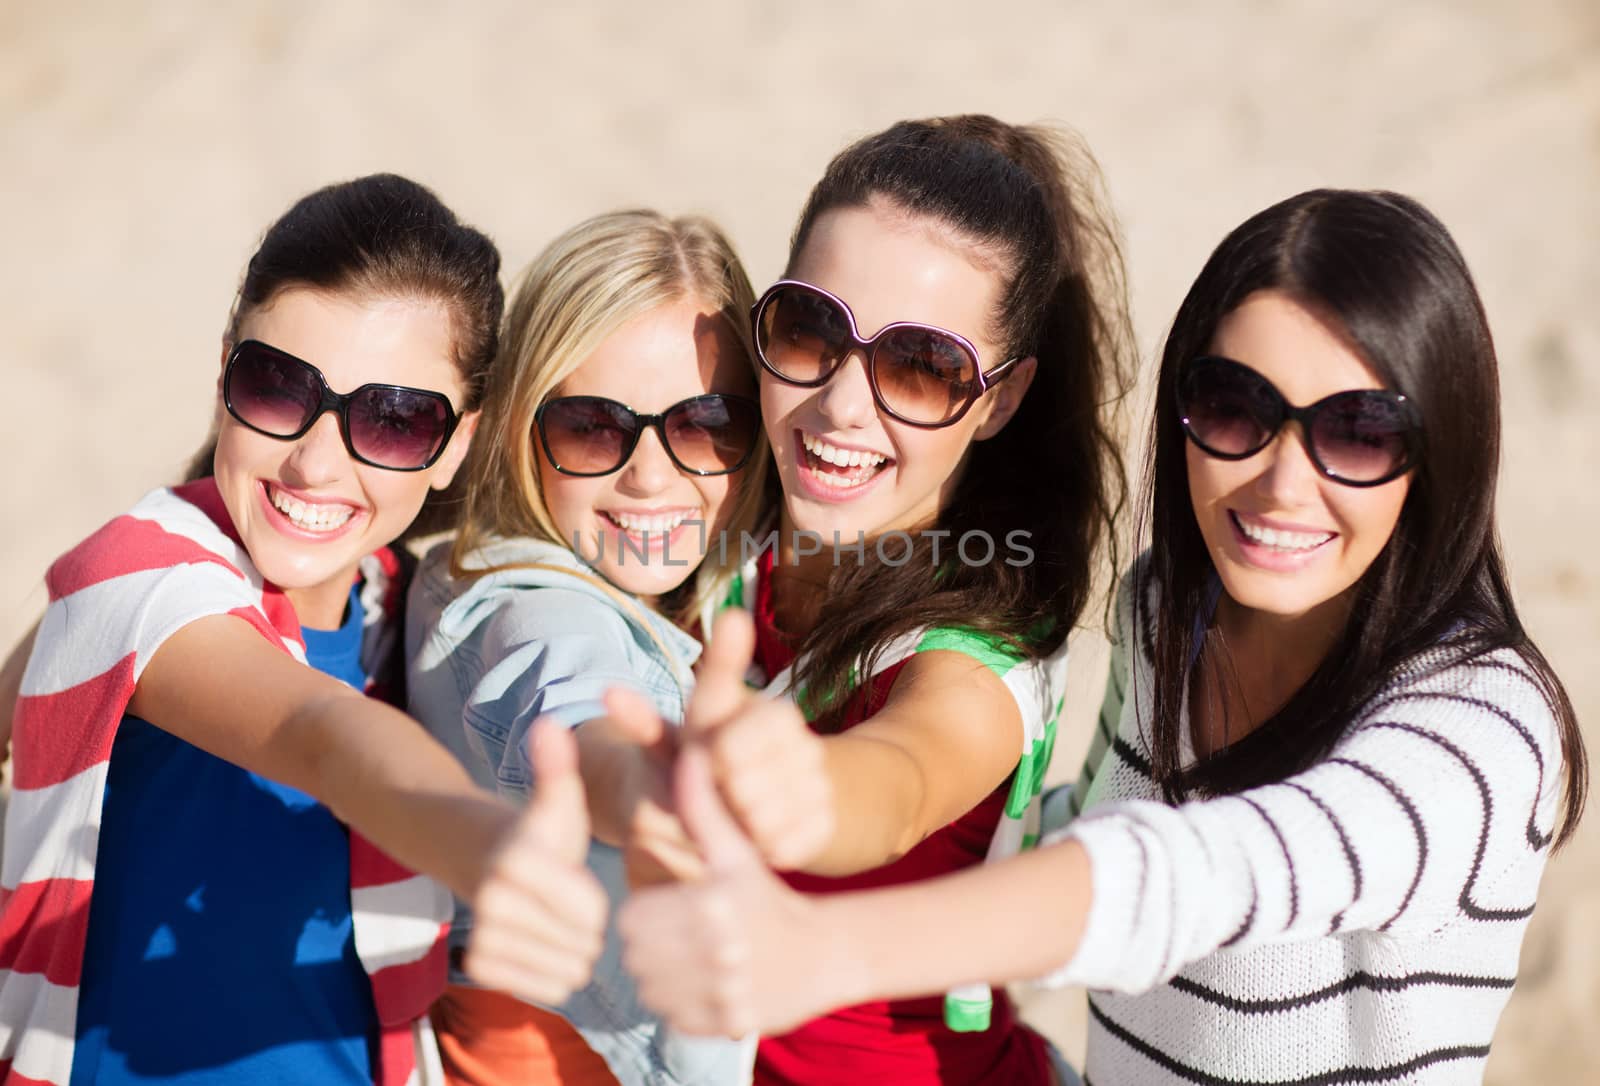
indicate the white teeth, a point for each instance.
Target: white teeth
{"x":308,"y":517}
{"x":838,"y":482}
{"x":660,"y":523}
{"x":1281,"y":540}
{"x":841,"y":458}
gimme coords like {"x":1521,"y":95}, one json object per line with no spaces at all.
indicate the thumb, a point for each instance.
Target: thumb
{"x":719,"y":688}
{"x":558,"y":815}
{"x":713,"y":830}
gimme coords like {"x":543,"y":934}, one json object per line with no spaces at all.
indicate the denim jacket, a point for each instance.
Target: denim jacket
{"x":487,"y":657}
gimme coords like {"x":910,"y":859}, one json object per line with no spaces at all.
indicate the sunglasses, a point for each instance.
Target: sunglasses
{"x":703,"y":435}
{"x":387,"y":426}
{"x":921,"y":375}
{"x":1364,"y":437}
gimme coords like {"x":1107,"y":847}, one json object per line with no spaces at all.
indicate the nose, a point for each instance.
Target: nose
{"x":649,"y":470}
{"x":846,"y":400}
{"x":1288,"y":477}
{"x":318,"y":457}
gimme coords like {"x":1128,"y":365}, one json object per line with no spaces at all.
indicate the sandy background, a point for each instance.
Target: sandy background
{"x":143,"y":147}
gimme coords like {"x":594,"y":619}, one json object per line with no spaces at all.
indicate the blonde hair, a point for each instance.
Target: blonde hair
{"x":587,"y":284}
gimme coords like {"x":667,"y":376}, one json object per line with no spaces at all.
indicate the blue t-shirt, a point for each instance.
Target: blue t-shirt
{"x":220,"y":947}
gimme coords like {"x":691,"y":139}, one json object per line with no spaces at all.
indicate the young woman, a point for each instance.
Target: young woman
{"x":621,"y":439}
{"x":1330,"y":765}
{"x":181,"y":899}
{"x":935,"y":361}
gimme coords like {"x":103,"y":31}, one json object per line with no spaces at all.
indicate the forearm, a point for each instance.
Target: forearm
{"x":613,"y":776}
{"x":382,"y":774}
{"x":1013,"y":920}
{"x":879,"y":804}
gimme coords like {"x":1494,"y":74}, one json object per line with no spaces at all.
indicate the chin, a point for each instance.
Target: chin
{"x":1277,"y":595}
{"x":298,"y":572}
{"x":648,"y":581}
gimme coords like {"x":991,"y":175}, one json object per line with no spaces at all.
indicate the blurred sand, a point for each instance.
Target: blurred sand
{"x":143,"y":147}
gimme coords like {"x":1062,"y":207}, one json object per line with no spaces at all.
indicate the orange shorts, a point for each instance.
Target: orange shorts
{"x":487,"y":1038}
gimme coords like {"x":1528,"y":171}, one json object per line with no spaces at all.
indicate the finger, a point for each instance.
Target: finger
{"x":665,"y":946}
{"x":558,"y":816}
{"x":635,"y":718}
{"x":567,"y":961}
{"x":547,"y":980}
{"x":538,"y":901}
{"x":719,"y":689}
{"x":710,"y":826}
{"x":661,"y":864}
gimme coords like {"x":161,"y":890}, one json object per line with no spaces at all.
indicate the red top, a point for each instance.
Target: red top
{"x":902,"y":1041}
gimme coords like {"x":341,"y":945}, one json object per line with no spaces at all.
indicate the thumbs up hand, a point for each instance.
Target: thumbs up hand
{"x":769,"y":765}
{"x":731,"y":954}
{"x":655,"y":849}
{"x":539,"y":915}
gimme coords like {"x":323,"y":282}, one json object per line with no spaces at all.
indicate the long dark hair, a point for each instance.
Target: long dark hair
{"x":386,"y":236}
{"x":1385,"y":272}
{"x":1033,"y":197}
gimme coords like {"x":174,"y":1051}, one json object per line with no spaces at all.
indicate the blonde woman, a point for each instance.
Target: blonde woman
{"x":621,"y":439}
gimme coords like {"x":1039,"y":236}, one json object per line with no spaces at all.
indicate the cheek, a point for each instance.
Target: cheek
{"x":1370,"y":517}
{"x":932,"y":454}
{"x":1204,"y":484}
{"x":396,"y":496}
{"x":778,"y":402}
{"x":715,"y":492}
{"x":242,"y":452}
{"x":570,"y":500}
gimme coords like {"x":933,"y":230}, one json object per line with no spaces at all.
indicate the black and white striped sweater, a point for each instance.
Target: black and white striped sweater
{"x":1357,"y":922}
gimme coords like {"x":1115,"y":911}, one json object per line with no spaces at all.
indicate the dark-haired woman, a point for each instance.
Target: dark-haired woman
{"x":181,"y":899}
{"x":934,"y":364}
{"x":1331,"y":763}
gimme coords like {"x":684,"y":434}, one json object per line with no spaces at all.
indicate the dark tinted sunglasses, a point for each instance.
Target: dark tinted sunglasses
{"x":387,"y":426}
{"x":922,"y":375}
{"x":704,"y":435}
{"x":1363,"y":437}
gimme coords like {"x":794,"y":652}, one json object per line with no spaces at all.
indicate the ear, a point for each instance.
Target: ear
{"x":1006,"y":398}
{"x":460,"y":442}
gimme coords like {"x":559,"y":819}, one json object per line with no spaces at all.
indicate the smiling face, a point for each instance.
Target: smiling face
{"x":666,"y":517}
{"x":1285,"y":540}
{"x":306,"y":511}
{"x":847,"y":467}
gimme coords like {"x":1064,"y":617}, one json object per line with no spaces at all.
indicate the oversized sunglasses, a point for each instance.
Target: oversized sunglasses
{"x":387,"y":426}
{"x":921,"y":375}
{"x":712,"y":434}
{"x":1364,"y":437}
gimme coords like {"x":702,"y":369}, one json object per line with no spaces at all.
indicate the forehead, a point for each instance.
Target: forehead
{"x":670,"y":353}
{"x":1304,"y":354}
{"x":888,"y":265}
{"x":357,"y":339}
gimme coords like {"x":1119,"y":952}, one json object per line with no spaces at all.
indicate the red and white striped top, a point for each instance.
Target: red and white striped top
{"x":114,"y":599}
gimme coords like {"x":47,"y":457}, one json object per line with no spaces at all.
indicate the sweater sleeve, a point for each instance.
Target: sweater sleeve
{"x":1118,"y":678}
{"x":547,"y":652}
{"x":1428,"y":812}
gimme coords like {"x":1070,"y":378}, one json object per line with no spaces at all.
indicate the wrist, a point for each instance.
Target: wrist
{"x":493,"y":823}
{"x":848,"y":950}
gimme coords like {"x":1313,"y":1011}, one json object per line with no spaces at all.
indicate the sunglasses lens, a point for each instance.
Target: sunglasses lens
{"x":1228,"y":410}
{"x":586,"y":435}
{"x":1362,"y":436}
{"x":924,"y":375}
{"x":271,"y":392}
{"x":712,"y":434}
{"x":398,"y":427}
{"x":802,"y":335}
